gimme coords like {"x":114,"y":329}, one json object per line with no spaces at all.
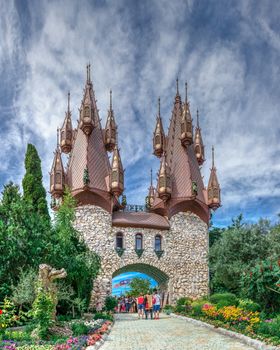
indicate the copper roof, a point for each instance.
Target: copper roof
{"x":140,"y":219}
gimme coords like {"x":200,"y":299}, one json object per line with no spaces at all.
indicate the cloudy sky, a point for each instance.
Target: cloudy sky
{"x":228,"y":51}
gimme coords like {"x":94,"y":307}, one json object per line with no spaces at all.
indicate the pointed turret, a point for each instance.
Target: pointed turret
{"x":117,"y":174}
{"x":213,"y":189}
{"x":186,"y":123}
{"x":159,"y":137}
{"x":57,"y":177}
{"x":164,"y":180}
{"x":87,"y":110}
{"x":110,"y":133}
{"x":66,"y":132}
{"x":151,"y":194}
{"x":198,"y":143}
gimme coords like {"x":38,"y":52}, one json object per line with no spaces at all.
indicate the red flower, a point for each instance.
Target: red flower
{"x":1,"y":311}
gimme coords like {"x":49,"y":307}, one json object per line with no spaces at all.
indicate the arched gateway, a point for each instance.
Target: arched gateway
{"x":168,"y":238}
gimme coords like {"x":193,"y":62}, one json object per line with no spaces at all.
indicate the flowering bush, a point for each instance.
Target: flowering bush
{"x":8,"y":316}
{"x":210,"y":310}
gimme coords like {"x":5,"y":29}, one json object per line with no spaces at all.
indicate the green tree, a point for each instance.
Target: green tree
{"x":240,"y":247}
{"x":72,"y":253}
{"x":139,"y":286}
{"x":24,"y":291}
{"x":33,"y":190}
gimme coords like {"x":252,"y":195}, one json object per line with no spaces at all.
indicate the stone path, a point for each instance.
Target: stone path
{"x":168,"y":333}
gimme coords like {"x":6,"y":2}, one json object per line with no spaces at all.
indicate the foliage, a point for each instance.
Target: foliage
{"x":110,"y":303}
{"x":224,"y":299}
{"x":139,"y":286}
{"x":42,"y":311}
{"x":215,"y":233}
{"x":72,"y":253}
{"x":269,"y":328}
{"x":79,"y":328}
{"x":196,"y":307}
{"x":248,"y":304}
{"x":25,"y":237}
{"x":33,"y":190}
{"x":103,"y":316}
{"x":239,"y":248}
{"x":24,"y":292}
{"x":260,"y":283}
{"x":8,"y":316}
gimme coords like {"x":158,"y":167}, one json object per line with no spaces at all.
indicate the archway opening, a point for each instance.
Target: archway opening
{"x":123,"y":276}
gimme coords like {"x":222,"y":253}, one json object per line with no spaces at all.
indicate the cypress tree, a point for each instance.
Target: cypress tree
{"x":33,"y":189}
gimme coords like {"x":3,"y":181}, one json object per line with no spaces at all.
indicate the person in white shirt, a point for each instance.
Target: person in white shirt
{"x":156,"y":304}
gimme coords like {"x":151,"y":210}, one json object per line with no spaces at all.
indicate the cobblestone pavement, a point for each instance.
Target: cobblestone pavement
{"x":168,"y":333}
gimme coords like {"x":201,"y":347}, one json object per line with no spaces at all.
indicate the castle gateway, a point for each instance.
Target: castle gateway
{"x":168,"y":238}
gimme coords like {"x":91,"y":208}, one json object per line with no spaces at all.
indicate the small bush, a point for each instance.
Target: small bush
{"x":79,"y":329}
{"x":196,"y":307}
{"x":269,"y":328}
{"x":224,"y":299}
{"x":180,"y":308}
{"x":110,"y":303}
{"x":249,"y":305}
{"x":183,"y":301}
{"x":103,"y":316}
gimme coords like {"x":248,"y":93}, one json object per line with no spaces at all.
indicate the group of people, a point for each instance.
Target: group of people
{"x":144,"y":305}
{"x":149,"y":304}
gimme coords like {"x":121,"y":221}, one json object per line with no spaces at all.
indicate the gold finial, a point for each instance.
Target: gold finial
{"x":177,"y":85}
{"x":110,"y":99}
{"x":213,"y":157}
{"x":68,"y":105}
{"x":186,"y":92}
{"x":197,"y":118}
{"x":57,"y":137}
{"x":151,"y":177}
{"x":159,"y":106}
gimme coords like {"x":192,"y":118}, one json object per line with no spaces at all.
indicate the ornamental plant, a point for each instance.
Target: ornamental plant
{"x":43,"y":312}
{"x":7,"y":314}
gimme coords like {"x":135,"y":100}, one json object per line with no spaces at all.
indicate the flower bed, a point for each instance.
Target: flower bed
{"x":95,"y":330}
{"x":236,"y":318}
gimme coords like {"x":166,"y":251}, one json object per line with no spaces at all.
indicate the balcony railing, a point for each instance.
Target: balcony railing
{"x":135,"y":208}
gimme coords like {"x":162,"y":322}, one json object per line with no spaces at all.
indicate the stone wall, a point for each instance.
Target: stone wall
{"x":184,"y":261}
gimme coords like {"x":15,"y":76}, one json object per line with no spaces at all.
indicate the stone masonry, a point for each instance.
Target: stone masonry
{"x":184,"y":260}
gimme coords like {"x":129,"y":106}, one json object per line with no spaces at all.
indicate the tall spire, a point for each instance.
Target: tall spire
{"x":117,"y":173}
{"x":110,"y":132}
{"x":186,"y":92}
{"x":198,"y":143}
{"x":57,"y":177}
{"x":151,"y":193}
{"x":186,"y":123}
{"x":57,"y":138}
{"x":164,"y":180}
{"x":177,"y":86}
{"x":213,"y":189}
{"x":66,"y":132}
{"x":159,"y":137}
{"x":88,"y":107}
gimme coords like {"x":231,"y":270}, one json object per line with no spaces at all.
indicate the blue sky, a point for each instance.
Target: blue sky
{"x":128,"y":276}
{"x":228,"y":51}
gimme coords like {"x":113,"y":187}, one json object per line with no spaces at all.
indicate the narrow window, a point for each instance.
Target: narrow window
{"x":119,"y":240}
{"x":138,"y":241}
{"x":158,"y":243}
{"x":58,"y":178}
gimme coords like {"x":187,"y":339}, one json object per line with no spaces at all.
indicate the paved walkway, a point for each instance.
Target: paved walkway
{"x":168,"y":333}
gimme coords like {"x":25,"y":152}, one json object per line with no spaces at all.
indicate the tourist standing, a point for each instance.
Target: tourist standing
{"x":140,"y":306}
{"x":156,"y":304}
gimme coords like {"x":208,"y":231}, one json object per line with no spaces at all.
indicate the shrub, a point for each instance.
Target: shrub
{"x":249,"y":305}
{"x":103,"y":316}
{"x":269,"y":328}
{"x":110,"y":303}
{"x":224,"y":299}
{"x":196,"y":307}
{"x":183,"y":301}
{"x":79,"y":328}
{"x":43,"y":308}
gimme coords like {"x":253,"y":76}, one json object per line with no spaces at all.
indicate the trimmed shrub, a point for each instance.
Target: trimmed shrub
{"x":196,"y":307}
{"x":224,"y":299}
{"x":249,"y":305}
{"x":79,"y":328}
{"x":103,"y":316}
{"x":110,"y":303}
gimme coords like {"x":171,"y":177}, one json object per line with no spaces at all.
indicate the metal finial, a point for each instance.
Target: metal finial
{"x":151,"y":177}
{"x":68,"y":104}
{"x":213,"y":157}
{"x":57,"y":137}
{"x":111,"y":99}
{"x":89,"y":72}
{"x":159,"y":106}
{"x":197,"y":118}
{"x":186,"y":92}
{"x":177,"y":85}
